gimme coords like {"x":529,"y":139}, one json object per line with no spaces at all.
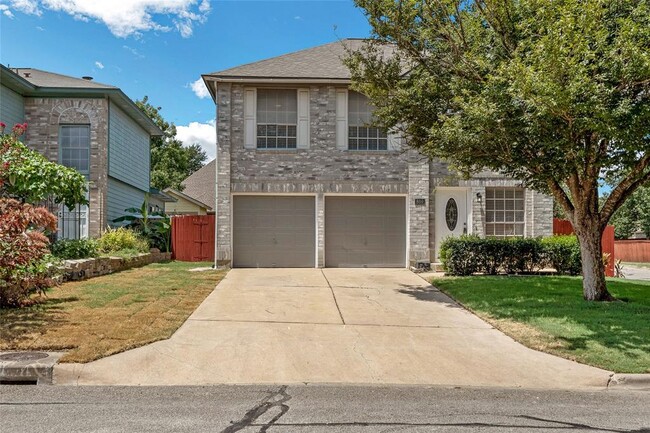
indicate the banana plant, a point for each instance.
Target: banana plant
{"x":155,"y":226}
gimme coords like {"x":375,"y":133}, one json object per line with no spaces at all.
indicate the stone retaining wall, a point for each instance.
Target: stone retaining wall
{"x":83,"y":269}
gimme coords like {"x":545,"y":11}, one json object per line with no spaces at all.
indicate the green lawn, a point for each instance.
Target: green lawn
{"x":549,"y":314}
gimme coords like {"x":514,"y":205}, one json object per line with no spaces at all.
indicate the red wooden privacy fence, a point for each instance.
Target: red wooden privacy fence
{"x":193,"y":238}
{"x":564,"y":227}
{"x":633,"y":250}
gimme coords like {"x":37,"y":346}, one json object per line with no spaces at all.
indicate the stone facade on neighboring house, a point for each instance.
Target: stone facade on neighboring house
{"x":46,"y":115}
{"x":112,"y":135}
{"x":323,"y":165}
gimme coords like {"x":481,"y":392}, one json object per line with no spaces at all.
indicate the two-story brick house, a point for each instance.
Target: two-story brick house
{"x":303,"y":180}
{"x":92,"y":127}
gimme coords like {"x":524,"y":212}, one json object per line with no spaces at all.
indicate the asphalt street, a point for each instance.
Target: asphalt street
{"x":311,"y":408}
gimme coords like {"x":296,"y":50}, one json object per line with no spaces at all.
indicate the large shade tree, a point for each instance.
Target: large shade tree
{"x":555,"y":93}
{"x":171,"y":161}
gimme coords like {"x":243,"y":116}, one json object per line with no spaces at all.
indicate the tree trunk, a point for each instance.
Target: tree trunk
{"x":593,"y":270}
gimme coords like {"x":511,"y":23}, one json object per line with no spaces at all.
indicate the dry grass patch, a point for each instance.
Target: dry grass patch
{"x":99,"y":317}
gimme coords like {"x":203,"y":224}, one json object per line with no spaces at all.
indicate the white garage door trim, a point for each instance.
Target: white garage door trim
{"x":263,"y":194}
{"x":361,"y":195}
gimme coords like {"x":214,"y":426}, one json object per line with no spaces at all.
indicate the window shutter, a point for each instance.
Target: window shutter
{"x":394,"y":140}
{"x":302,"y":141}
{"x":250,"y":123}
{"x":341,"y":118}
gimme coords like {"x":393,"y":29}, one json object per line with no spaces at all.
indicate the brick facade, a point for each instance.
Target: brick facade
{"x":46,"y":115}
{"x":324,"y":169}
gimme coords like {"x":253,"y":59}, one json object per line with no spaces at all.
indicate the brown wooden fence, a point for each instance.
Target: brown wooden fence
{"x":564,"y":227}
{"x":633,"y":250}
{"x":193,"y":238}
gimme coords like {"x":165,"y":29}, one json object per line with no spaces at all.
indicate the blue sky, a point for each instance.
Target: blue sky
{"x":160,"y":47}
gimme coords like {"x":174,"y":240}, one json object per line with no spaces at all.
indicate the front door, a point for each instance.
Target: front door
{"x":451,"y":214}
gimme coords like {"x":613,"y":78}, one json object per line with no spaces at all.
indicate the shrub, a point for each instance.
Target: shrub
{"x":522,"y":255}
{"x":25,"y":264}
{"x":563,"y":254}
{"x":459,"y":256}
{"x":466,"y":255}
{"x":71,"y":249}
{"x":122,"y":238}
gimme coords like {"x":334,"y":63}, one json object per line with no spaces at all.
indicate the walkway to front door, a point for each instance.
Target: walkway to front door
{"x":333,"y":326}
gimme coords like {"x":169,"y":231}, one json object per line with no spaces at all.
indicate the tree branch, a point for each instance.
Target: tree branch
{"x":560,"y":195}
{"x":626,"y":187}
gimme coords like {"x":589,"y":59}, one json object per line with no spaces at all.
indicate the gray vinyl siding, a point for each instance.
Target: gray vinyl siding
{"x":12,"y":107}
{"x":128,"y":150}
{"x":121,"y":196}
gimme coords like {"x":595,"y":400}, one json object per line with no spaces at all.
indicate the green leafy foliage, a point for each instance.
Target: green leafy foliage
{"x":72,"y":249}
{"x":563,"y":254}
{"x":633,"y":215}
{"x":171,"y":162}
{"x":28,"y":176}
{"x":120,"y":239}
{"x":469,"y":254}
{"x":156,"y":227}
{"x":554,"y":93}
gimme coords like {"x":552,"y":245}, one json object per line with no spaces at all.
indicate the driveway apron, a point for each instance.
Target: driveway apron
{"x":365,"y":326}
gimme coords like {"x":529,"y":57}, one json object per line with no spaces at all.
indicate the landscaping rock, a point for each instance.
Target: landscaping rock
{"x":82,"y":269}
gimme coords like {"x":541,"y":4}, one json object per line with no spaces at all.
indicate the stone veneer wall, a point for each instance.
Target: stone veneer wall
{"x":45,"y":115}
{"x":75,"y":270}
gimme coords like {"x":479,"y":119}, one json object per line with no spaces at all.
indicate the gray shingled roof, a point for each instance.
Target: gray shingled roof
{"x":49,"y":79}
{"x":201,"y":184}
{"x":321,"y":62}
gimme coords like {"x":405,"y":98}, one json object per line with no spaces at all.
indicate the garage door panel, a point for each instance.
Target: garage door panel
{"x":274,"y":231}
{"x":365,"y":231}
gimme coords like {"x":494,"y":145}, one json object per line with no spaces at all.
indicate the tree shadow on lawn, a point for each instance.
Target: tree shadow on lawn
{"x":19,"y":326}
{"x":555,"y":306}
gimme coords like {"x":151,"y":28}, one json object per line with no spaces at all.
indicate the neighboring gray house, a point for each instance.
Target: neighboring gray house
{"x":92,"y":127}
{"x":304,"y":181}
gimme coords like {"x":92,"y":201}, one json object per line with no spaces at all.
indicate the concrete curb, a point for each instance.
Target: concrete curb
{"x":28,"y":367}
{"x":636,"y":382}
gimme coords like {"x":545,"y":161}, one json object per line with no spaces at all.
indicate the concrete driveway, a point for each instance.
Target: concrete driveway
{"x":384,"y":326}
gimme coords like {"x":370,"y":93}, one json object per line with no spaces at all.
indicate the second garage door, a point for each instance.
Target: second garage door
{"x":365,"y":231}
{"x":274,"y":231}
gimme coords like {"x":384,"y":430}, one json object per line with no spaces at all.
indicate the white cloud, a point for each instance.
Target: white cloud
{"x":6,"y":12}
{"x":205,"y":134}
{"x":125,"y":17}
{"x":26,"y":6}
{"x":40,"y":29}
{"x":199,"y":89}
{"x":100,"y":65}
{"x":133,"y":51}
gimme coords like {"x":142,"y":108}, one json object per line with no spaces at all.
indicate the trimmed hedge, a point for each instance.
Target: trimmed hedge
{"x":469,"y":254}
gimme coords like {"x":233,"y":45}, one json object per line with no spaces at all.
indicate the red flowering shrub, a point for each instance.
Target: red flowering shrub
{"x":26,"y":176}
{"x":25,"y":264}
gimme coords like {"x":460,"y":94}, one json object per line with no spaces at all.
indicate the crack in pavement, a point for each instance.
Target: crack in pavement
{"x":260,"y":409}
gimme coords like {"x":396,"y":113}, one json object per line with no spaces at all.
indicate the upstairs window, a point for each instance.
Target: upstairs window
{"x":361,"y":134}
{"x":277,"y":118}
{"x":504,"y":212}
{"x":75,"y":147}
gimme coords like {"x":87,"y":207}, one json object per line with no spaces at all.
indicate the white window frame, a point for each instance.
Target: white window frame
{"x":302,"y":126}
{"x":505,"y":212}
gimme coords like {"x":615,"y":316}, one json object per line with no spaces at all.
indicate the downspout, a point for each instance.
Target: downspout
{"x":216,"y":182}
